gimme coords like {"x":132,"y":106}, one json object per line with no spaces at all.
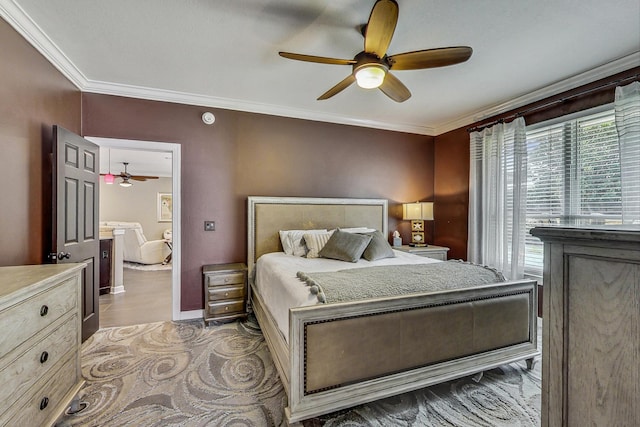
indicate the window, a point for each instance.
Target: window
{"x":573,"y":177}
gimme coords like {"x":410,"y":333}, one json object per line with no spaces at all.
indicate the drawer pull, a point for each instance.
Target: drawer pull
{"x":226,"y":280}
{"x":44,"y":402}
{"x":44,"y":310}
{"x":226,"y":308}
{"x":44,"y":357}
{"x":226,"y":294}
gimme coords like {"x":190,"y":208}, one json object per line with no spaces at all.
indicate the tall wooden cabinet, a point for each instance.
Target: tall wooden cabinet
{"x":591,"y":326}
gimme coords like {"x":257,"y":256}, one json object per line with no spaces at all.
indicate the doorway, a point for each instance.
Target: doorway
{"x":174,"y":150}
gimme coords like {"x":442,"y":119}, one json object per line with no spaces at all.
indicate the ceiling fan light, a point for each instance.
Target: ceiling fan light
{"x":370,"y":77}
{"x":109,"y":179}
{"x":125,"y":183}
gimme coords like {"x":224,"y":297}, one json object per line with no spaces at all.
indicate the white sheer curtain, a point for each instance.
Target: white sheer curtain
{"x":627,"y":105}
{"x":498,"y":197}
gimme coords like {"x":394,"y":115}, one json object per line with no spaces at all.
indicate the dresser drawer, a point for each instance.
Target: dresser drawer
{"x":44,"y":403}
{"x":23,"y":320}
{"x":224,"y":308}
{"x":33,"y":364}
{"x":226,"y":292}
{"x":225,"y":279}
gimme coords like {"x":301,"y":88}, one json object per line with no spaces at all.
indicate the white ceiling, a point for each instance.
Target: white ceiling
{"x":153,"y":163}
{"x":224,"y":53}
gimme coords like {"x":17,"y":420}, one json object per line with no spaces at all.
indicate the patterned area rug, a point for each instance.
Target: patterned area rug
{"x":183,"y":374}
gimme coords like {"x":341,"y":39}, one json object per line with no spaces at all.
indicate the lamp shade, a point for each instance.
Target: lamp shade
{"x":418,"y":210}
{"x":109,"y":179}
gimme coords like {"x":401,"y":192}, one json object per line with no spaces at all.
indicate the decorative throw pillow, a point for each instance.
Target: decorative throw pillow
{"x":315,"y":242}
{"x":378,"y":248}
{"x":345,"y":246}
{"x":293,"y":243}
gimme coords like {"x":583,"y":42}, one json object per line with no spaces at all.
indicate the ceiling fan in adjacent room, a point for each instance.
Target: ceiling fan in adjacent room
{"x":371,"y":67}
{"x":126,"y":177}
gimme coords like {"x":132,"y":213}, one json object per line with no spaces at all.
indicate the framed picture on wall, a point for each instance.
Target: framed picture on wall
{"x":165,"y":207}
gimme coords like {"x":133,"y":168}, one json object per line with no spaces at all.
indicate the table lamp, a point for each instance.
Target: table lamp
{"x":417,"y":212}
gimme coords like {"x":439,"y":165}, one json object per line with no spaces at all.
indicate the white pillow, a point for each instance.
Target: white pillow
{"x":315,"y":242}
{"x":293,"y":243}
{"x":358,"y":230}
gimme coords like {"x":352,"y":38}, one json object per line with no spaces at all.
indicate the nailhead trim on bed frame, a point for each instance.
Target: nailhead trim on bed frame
{"x":308,"y":392}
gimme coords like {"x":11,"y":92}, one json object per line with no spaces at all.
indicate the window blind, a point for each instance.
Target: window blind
{"x":573,"y":178}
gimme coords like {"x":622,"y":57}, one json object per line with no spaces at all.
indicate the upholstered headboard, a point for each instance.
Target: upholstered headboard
{"x":266,"y":216}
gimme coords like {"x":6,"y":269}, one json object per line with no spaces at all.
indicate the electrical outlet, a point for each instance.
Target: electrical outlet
{"x":209,"y":226}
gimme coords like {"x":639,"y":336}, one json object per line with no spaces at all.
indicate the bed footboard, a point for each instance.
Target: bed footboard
{"x":342,"y":355}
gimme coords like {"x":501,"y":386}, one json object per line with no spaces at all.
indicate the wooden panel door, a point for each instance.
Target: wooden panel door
{"x":75,"y":237}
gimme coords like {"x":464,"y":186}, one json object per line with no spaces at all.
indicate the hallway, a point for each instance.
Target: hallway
{"x":147,"y":299}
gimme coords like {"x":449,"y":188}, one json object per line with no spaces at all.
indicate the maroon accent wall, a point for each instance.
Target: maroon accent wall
{"x":451,"y":187}
{"x":246,"y":154}
{"x":33,"y":97}
{"x":451,"y":158}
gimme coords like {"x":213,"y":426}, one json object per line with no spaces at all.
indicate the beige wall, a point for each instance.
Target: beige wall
{"x":137,"y":203}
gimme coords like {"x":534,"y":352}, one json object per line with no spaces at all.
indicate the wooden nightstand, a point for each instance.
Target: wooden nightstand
{"x":225,"y":291}
{"x":431,"y":251}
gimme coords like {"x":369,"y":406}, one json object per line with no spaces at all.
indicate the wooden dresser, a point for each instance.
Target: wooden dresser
{"x":40,"y":341}
{"x":225,"y":291}
{"x":591,"y":327}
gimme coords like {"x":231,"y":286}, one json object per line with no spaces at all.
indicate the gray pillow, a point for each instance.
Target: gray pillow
{"x":378,"y":248}
{"x":345,"y":246}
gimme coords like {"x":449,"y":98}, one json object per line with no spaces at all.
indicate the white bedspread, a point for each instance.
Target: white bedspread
{"x":281,"y":290}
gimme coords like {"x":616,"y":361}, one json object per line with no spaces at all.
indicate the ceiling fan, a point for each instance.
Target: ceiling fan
{"x":372,"y":66}
{"x":126,"y":176}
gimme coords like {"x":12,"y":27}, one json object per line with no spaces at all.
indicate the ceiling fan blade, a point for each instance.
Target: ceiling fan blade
{"x":142,"y":177}
{"x":338,"y":88}
{"x":394,"y":88}
{"x":430,"y":58}
{"x":317,"y":59}
{"x":380,"y":28}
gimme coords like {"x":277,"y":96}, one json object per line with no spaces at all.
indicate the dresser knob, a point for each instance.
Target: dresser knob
{"x":226,"y":308}
{"x":44,"y":402}
{"x":44,"y":357}
{"x":226,"y":294}
{"x":226,"y":280}
{"x":44,"y":310}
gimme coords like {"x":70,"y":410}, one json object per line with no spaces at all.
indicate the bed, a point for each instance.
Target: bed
{"x":338,"y":355}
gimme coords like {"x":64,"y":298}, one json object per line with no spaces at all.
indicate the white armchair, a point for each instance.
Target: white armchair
{"x":136,"y":246}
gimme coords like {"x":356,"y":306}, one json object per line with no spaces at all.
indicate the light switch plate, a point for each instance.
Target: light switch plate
{"x":209,"y":226}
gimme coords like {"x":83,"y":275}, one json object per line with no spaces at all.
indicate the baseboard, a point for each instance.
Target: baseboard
{"x":190,"y":315}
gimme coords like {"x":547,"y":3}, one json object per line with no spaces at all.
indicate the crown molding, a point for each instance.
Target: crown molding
{"x":609,"y":69}
{"x":21,"y":22}
{"x":27,"y":28}
{"x":164,"y":95}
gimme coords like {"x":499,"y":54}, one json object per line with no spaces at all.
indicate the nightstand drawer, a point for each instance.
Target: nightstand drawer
{"x":442,"y":256}
{"x":224,"y":308}
{"x":226,"y":292}
{"x":225,"y":279}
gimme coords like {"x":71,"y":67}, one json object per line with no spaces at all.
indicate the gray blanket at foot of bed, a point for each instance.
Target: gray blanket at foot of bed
{"x":394,"y":280}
